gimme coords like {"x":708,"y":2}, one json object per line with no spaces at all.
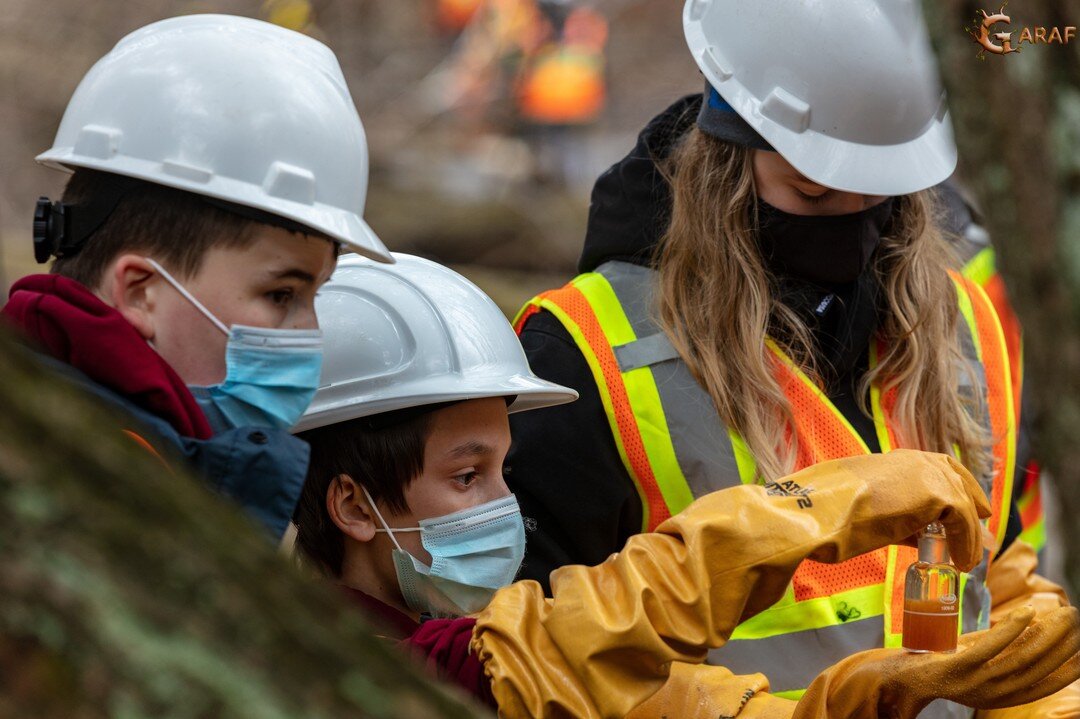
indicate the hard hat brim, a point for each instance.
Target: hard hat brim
{"x":530,"y":393}
{"x":340,"y":224}
{"x":886,"y":170}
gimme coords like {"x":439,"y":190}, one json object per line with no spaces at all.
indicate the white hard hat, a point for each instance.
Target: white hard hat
{"x":415,"y":333}
{"x":847,"y":91}
{"x":229,"y":108}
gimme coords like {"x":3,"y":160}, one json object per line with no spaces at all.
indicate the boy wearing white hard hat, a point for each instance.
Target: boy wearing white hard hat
{"x":406,"y":507}
{"x":218,"y":163}
{"x":405,"y":503}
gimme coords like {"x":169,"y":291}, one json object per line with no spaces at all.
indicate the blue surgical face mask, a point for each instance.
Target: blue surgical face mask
{"x":474,"y":553}
{"x":270,"y":374}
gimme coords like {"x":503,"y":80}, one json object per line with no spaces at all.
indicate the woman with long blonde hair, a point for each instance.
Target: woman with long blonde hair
{"x":767,"y":283}
{"x":718,"y":302}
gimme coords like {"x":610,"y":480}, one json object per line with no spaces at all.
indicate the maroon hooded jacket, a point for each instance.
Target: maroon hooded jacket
{"x":442,"y":645}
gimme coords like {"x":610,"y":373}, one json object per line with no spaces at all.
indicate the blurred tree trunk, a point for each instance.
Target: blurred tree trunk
{"x":1017,"y":122}
{"x":128,"y":592}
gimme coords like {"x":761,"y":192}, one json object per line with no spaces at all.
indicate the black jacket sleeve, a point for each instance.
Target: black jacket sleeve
{"x":578,"y":500}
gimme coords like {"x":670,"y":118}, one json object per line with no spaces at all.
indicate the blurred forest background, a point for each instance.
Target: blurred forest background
{"x":488,"y":120}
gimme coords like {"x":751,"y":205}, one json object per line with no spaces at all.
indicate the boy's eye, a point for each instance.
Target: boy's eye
{"x":281,"y":297}
{"x":466,"y":479}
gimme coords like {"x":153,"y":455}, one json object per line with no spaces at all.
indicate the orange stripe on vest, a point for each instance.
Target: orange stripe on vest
{"x":820,"y":436}
{"x":995,"y":360}
{"x":1010,"y":326}
{"x":577,"y":306}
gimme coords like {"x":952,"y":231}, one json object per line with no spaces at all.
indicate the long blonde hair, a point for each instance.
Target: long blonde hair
{"x":717,"y":305}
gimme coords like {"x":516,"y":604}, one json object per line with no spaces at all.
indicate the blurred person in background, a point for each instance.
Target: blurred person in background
{"x":766,"y":286}
{"x":561,"y":88}
{"x":535,"y":69}
{"x":478,"y":82}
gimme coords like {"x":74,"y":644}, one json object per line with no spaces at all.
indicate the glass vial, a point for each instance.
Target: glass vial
{"x":931,"y":605}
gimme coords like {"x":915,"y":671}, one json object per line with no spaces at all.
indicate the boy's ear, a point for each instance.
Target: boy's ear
{"x":126,"y":288}
{"x":349,"y":509}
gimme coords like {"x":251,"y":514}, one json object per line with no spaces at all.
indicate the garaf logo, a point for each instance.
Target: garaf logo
{"x":982,"y":33}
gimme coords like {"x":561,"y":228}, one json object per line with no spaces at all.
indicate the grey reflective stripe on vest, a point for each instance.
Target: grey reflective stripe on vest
{"x":973,"y":388}
{"x":645,"y":352}
{"x":941,"y":709}
{"x":976,"y":601}
{"x":701,"y":441}
{"x":783,"y":658}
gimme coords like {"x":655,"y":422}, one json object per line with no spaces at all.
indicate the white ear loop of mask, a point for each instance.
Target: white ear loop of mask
{"x":188,"y":296}
{"x":386,"y":527}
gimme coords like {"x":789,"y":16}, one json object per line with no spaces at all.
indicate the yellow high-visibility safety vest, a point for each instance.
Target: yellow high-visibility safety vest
{"x":675,"y":448}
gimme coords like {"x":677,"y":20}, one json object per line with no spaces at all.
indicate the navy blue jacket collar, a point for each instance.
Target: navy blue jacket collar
{"x":260,"y":469}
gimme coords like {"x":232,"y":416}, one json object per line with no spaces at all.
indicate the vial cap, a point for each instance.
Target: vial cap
{"x":934,"y":529}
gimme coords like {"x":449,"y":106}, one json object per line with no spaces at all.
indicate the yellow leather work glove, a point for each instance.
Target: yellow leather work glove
{"x":1013,"y":583}
{"x":606,"y":640}
{"x":703,"y":691}
{"x":1019,"y":660}
{"x":1063,"y":704}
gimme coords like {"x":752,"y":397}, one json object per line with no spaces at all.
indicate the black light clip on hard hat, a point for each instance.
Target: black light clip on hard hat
{"x":49,"y":229}
{"x":61,"y":229}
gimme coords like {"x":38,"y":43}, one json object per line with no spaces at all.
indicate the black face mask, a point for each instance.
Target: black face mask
{"x":822,"y":248}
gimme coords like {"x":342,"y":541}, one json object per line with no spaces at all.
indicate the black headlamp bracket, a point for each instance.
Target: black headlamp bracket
{"x":50,"y":229}
{"x":61,"y":229}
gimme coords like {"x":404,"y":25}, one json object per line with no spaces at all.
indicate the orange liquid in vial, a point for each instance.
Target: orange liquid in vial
{"x":927,"y":628}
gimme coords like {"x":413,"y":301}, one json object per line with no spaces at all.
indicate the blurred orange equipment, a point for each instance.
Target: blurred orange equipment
{"x":564,"y":81}
{"x":565,"y":86}
{"x":454,"y":15}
